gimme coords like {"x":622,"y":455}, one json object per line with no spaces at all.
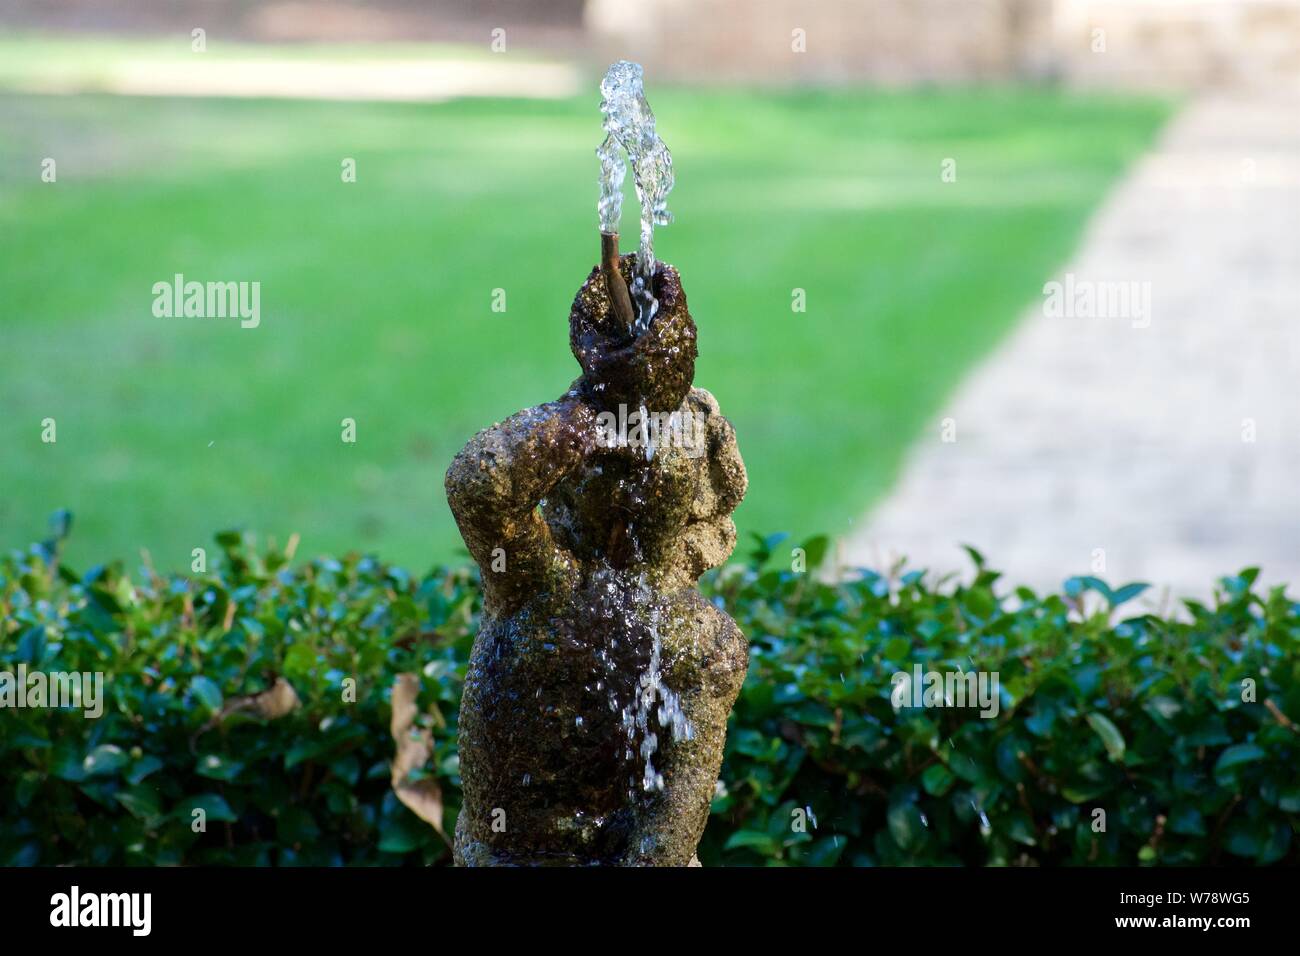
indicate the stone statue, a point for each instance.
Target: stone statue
{"x":595,"y":707}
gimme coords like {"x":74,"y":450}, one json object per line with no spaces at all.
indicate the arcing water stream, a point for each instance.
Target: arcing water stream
{"x":630,"y":127}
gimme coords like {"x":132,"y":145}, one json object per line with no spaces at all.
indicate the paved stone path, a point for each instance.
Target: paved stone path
{"x":1097,"y":433}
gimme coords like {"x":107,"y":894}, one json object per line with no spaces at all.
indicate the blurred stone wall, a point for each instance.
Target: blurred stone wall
{"x":530,"y":24}
{"x":1180,"y":44}
{"x":1163,"y":44}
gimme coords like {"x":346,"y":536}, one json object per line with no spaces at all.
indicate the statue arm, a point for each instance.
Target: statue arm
{"x":495,"y":484}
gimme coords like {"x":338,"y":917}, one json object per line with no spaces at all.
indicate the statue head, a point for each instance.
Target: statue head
{"x":655,"y":368}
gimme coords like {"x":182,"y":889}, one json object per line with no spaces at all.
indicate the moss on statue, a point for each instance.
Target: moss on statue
{"x":595,"y":707}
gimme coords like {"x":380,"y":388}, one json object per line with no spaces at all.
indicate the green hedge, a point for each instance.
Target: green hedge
{"x":1139,"y":716}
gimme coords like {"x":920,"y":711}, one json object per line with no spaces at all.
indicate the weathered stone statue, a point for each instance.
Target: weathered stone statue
{"x":595,"y":708}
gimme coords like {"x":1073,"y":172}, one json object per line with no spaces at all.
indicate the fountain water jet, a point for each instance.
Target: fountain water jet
{"x":595,"y":707}
{"x":630,"y":129}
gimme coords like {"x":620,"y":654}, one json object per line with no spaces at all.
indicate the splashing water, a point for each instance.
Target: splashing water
{"x":630,"y":126}
{"x":653,"y":699}
{"x":645,"y":707}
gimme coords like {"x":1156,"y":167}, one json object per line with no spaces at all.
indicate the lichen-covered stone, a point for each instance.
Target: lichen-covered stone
{"x":595,"y":707}
{"x":656,"y":368}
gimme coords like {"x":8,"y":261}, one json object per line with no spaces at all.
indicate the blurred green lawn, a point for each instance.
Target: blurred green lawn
{"x":376,"y":296}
